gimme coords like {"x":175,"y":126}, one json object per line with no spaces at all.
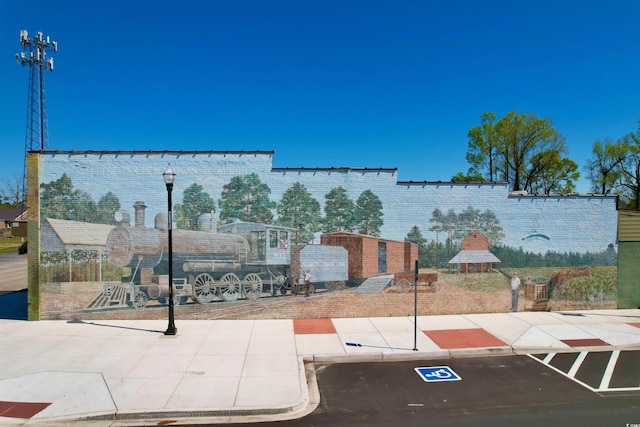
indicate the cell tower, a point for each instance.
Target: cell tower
{"x":34,"y":54}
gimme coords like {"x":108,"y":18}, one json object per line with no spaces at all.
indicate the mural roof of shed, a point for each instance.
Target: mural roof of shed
{"x":80,"y":235}
{"x":473,"y":257}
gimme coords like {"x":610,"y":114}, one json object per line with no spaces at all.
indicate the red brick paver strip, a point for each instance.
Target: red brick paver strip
{"x":313,"y":326}
{"x":24,"y":410}
{"x":586,"y":342}
{"x":637,"y":325}
{"x":463,"y":338}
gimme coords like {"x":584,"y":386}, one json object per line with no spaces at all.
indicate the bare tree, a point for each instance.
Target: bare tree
{"x":12,"y":191}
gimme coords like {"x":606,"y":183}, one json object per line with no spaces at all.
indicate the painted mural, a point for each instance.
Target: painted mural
{"x":244,"y":230}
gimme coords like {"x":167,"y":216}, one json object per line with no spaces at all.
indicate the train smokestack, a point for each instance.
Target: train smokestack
{"x":139,"y":208}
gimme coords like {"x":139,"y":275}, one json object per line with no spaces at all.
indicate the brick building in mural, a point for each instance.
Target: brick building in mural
{"x":372,"y":256}
{"x":475,"y":256}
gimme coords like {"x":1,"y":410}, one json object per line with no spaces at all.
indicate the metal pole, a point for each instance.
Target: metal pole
{"x":171,"y":329}
{"x":41,"y":106}
{"x":415,"y":310}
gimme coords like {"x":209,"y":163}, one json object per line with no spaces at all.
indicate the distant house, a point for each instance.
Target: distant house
{"x":475,"y":256}
{"x":13,"y":222}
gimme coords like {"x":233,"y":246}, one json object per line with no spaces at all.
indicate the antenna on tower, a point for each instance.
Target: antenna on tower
{"x":34,"y":55}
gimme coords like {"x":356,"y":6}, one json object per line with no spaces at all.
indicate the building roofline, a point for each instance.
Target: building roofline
{"x":539,"y":195}
{"x":452,"y":183}
{"x":172,"y":152}
{"x":335,"y":169}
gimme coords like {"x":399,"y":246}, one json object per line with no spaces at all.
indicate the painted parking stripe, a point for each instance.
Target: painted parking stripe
{"x":577,"y":363}
{"x":607,"y":374}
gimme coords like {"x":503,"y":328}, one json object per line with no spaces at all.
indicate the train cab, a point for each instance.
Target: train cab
{"x":270,"y":244}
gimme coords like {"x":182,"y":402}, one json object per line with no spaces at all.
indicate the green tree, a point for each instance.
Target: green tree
{"x":520,"y":138}
{"x":246,"y":198}
{"x":485,"y":222}
{"x":614,"y":168}
{"x":549,"y":172}
{"x":298,"y":209}
{"x":59,"y":200}
{"x":195,"y":202}
{"x":604,"y":168}
{"x":630,"y":179}
{"x":415,"y":236}
{"x":444,"y":223}
{"x":470,"y":176}
{"x":107,"y":206}
{"x":483,"y":149}
{"x":522,"y":149}
{"x":339,"y":211}
{"x":369,"y":213}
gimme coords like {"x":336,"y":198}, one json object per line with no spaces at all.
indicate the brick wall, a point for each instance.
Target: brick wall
{"x":475,"y":242}
{"x":364,"y":254}
{"x":534,"y":223}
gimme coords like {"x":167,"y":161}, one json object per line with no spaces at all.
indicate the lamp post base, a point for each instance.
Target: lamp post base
{"x":171,"y":330}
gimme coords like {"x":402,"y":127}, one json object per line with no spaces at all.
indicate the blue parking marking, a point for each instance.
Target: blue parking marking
{"x":437,"y":373}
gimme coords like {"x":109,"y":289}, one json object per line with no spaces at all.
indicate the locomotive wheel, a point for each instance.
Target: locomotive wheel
{"x":252,"y":286}
{"x":229,"y":287}
{"x":204,"y":289}
{"x":140,"y":300}
{"x":403,"y":285}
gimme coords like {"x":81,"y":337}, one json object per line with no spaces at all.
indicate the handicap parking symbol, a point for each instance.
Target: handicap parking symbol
{"x":437,"y":373}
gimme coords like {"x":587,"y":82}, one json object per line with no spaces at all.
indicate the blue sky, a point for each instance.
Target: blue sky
{"x":322,"y":83}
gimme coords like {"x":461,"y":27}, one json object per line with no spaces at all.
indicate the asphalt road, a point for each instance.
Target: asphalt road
{"x":496,"y":391}
{"x":13,"y":272}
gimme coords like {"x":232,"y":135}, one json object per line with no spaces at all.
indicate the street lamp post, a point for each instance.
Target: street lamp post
{"x":169,"y":177}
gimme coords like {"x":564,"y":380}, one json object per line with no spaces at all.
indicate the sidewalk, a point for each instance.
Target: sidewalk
{"x":128,"y":373}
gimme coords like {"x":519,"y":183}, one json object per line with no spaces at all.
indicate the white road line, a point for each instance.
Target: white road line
{"x":576,"y":364}
{"x":548,"y":357}
{"x":608,"y":372}
{"x":604,"y":385}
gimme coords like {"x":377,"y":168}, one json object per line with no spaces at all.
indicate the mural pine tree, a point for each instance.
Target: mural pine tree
{"x":339,"y":211}
{"x":107,"y":205}
{"x":246,"y":198}
{"x":299,"y":210}
{"x":415,"y":236}
{"x":195,"y":202}
{"x":369,"y":213}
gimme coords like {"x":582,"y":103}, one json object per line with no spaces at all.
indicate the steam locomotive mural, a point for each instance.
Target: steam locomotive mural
{"x":233,"y":261}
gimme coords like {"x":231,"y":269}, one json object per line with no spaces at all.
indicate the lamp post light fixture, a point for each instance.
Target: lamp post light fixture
{"x":169,"y":178}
